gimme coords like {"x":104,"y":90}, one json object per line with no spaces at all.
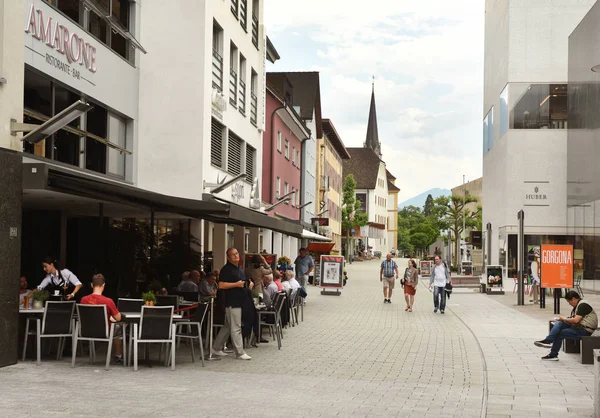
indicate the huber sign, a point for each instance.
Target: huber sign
{"x":557,"y":266}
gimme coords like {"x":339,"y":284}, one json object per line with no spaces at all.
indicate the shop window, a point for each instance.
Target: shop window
{"x":538,"y":106}
{"x":95,"y":153}
{"x":117,"y":135}
{"x":66,"y":147}
{"x":38,"y":93}
{"x":71,"y":8}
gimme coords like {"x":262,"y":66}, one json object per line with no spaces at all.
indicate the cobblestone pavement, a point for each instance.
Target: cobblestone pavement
{"x":352,"y":356}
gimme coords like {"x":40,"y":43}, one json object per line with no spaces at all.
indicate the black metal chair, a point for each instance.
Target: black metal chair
{"x":130,"y":305}
{"x":272,"y":318}
{"x":191,"y":326}
{"x":170,"y":300}
{"x":57,"y":322}
{"x":92,"y":325}
{"x":156,"y":326}
{"x":577,"y":285}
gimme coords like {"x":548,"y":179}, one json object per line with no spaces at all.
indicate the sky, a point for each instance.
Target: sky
{"x":427,"y":59}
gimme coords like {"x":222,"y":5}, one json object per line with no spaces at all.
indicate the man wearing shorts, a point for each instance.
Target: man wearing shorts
{"x":388,"y":273}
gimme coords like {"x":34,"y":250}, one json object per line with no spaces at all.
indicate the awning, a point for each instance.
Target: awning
{"x":42,"y":176}
{"x":240,"y":215}
{"x":311,"y":235}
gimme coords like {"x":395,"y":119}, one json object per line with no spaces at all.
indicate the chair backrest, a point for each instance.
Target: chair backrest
{"x":171,"y":300}
{"x":130,"y":305}
{"x":189,"y":296}
{"x":93,"y":321}
{"x":279,"y":301}
{"x":57,"y":317}
{"x":155,"y":322}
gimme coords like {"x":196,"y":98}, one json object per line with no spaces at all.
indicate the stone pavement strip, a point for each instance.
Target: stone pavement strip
{"x":352,"y":356}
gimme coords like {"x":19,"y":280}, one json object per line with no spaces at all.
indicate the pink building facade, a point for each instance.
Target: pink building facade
{"x":282,"y":157}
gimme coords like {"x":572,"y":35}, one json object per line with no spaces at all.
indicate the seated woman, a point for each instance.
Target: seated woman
{"x":277,"y":280}
{"x":285,"y":284}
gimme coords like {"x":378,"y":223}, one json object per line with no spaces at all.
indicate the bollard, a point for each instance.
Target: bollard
{"x":597,"y":383}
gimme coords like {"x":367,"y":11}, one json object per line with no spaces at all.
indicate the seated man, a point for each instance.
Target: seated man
{"x":24,"y":292}
{"x":187,"y":284}
{"x":208,"y":287}
{"x":583,"y":321}
{"x":96,"y":298}
{"x":270,"y":288}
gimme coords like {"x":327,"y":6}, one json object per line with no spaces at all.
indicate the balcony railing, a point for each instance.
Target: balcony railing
{"x":244,"y":14}
{"x":233,"y":87}
{"x":253,"y":108}
{"x":255,"y":30}
{"x":217,"y":71}
{"x":242,"y":98}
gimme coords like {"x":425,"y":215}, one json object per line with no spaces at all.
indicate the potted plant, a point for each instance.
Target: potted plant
{"x":255,"y":294}
{"x":39,"y":298}
{"x":283,"y":263}
{"x":149,"y":298}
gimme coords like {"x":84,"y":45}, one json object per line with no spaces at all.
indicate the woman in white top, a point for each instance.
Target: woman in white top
{"x":59,"y":280}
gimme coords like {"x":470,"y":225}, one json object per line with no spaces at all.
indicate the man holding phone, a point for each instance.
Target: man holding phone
{"x":232,"y":280}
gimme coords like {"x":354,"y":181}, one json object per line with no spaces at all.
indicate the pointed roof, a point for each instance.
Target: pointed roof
{"x":372,"y":133}
{"x":364,"y":165}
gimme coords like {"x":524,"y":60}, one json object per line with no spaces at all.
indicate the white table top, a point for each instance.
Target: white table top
{"x":31,"y":311}
{"x":137,"y":315}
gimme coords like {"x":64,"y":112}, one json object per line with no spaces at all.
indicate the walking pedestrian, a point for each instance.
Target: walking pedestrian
{"x":304,"y":266}
{"x":440,"y":275}
{"x":388,"y":273}
{"x":232,"y":280}
{"x":411,"y":279}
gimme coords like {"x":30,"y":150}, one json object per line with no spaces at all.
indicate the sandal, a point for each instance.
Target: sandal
{"x":409,"y":309}
{"x":406,"y":310}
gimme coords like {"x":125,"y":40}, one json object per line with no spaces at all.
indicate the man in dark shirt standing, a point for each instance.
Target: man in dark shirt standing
{"x":232,"y":280}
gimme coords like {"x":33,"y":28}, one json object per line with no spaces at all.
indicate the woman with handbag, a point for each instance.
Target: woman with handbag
{"x":410,"y":281}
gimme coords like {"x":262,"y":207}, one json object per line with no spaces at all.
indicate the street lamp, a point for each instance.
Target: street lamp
{"x":37,"y":133}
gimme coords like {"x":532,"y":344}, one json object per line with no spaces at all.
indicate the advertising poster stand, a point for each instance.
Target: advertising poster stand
{"x":425,"y":269}
{"x":316,"y":250}
{"x":557,"y":270}
{"x":332,"y":274}
{"x":494,"y":280}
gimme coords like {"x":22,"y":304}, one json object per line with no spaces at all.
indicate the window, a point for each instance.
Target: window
{"x":233,"y":78}
{"x":537,"y":106}
{"x":217,"y":60}
{"x":362,"y":198}
{"x":253,"y":97}
{"x":488,"y":131}
{"x":504,"y":111}
{"x":98,"y":27}
{"x":108,"y":21}
{"x":242,"y":89}
{"x":250,"y":157}
{"x":244,"y":14}
{"x":216,"y":143}
{"x":286,"y":188}
{"x":287,"y":149}
{"x":293,"y":199}
{"x":279,"y":141}
{"x":97,"y":124}
{"x":278,"y":187}
{"x":234,"y":154}
{"x":293,"y":155}
{"x":117,"y":134}
{"x":255,"y":13}
{"x":71,"y":8}
{"x":235,"y":7}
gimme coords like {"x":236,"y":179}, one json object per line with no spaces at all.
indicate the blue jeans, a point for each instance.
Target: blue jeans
{"x":439,"y":297}
{"x":560,"y":331}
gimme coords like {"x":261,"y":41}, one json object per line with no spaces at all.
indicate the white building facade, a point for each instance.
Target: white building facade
{"x":525,"y":121}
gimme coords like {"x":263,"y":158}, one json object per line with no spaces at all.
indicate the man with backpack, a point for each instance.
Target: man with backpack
{"x":440,"y":276}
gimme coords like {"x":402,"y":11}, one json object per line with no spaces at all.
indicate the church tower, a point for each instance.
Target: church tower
{"x":372,"y":134}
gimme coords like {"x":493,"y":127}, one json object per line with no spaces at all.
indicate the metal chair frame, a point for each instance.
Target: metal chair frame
{"x":138,"y":331}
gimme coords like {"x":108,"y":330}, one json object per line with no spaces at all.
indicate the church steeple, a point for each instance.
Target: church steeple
{"x":372,"y":134}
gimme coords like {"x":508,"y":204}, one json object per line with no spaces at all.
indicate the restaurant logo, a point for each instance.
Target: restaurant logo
{"x":56,"y":36}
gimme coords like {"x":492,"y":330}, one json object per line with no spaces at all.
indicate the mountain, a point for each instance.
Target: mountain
{"x":419,"y":200}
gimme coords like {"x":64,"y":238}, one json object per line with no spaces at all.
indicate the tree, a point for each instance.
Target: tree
{"x":428,"y":207}
{"x":404,"y":244}
{"x":352,"y":216}
{"x":417,"y":230}
{"x":455,"y":210}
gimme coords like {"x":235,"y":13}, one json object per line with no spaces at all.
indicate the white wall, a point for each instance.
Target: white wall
{"x":309,"y":172}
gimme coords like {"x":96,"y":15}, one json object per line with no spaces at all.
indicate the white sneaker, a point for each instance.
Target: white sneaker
{"x":245,"y":357}
{"x":219,"y":353}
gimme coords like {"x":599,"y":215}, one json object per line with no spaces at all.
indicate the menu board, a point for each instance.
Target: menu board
{"x":425,"y":268}
{"x":331,"y":271}
{"x":494,"y":276}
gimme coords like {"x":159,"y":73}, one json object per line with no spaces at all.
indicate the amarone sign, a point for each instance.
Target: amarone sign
{"x":74,"y":47}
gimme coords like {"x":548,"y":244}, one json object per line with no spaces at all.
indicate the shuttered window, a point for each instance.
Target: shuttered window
{"x":234,"y":154}
{"x":216,"y":143}
{"x":250,"y":157}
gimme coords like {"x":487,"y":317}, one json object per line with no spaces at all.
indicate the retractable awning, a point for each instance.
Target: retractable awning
{"x":314,"y":236}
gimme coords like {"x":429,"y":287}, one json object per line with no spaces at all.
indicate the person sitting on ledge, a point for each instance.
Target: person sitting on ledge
{"x":582,"y":322}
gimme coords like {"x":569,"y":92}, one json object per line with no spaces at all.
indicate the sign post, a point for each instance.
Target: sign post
{"x":521,"y":258}
{"x":557,"y":270}
{"x":332,"y":274}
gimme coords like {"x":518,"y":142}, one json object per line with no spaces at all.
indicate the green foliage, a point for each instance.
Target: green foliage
{"x":428,"y":207}
{"x":352,"y":216}
{"x":404,"y":244}
{"x":149,"y":297}
{"x":416,"y":231}
{"x":40,"y":295}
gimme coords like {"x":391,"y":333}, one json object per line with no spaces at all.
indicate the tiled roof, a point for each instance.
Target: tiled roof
{"x":364,"y":166}
{"x":392,"y":187}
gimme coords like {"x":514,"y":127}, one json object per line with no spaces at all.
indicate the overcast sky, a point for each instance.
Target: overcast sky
{"x":427,"y":58}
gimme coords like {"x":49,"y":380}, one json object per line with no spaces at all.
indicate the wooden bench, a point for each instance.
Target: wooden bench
{"x":466,"y":281}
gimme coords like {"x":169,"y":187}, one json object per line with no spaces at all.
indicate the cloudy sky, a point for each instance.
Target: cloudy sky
{"x":427,"y":58}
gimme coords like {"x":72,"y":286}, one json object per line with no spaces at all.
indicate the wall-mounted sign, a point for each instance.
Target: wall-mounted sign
{"x":320,"y":221}
{"x":74,"y":47}
{"x":476,"y":238}
{"x":535,"y":193}
{"x":237,"y":191}
{"x":557,"y":266}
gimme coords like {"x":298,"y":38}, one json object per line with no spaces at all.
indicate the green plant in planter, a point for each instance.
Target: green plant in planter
{"x":255,"y":293}
{"x":149,"y":298}
{"x":40,"y":295}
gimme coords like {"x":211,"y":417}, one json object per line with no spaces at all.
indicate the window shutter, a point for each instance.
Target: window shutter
{"x":250,"y":156}
{"x":234,"y":154}
{"x":216,"y":143}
